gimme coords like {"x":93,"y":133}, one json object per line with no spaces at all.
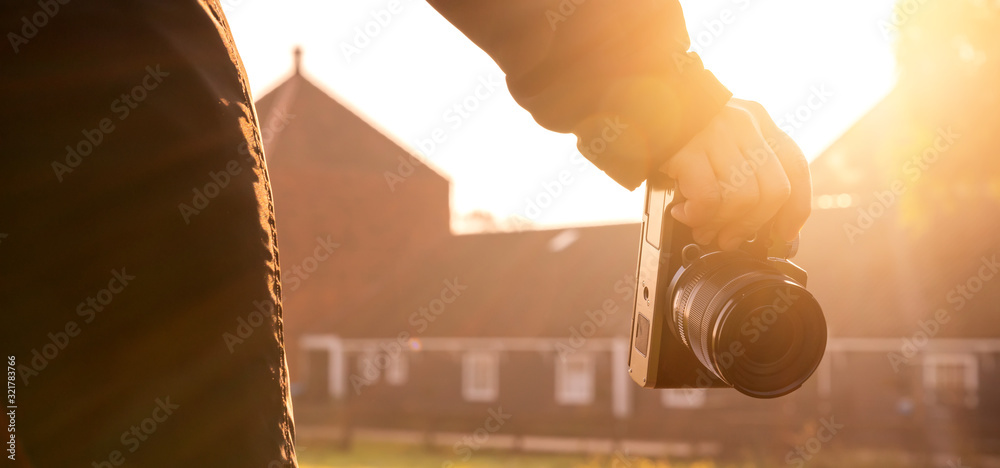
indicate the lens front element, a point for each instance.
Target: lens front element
{"x":756,"y":328}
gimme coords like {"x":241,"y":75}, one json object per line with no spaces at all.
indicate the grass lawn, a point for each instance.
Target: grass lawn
{"x":379,"y":455}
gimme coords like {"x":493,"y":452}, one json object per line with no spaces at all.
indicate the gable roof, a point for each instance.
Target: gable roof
{"x":876,"y":275}
{"x":327,"y":131}
{"x":879,"y":283}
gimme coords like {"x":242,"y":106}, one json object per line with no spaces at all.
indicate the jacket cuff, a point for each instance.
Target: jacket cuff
{"x":645,"y":120}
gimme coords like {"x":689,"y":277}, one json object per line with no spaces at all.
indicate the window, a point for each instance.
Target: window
{"x":575,"y":379}
{"x":325,"y":367}
{"x":368,"y":368}
{"x":683,"y":397}
{"x":396,"y":372}
{"x":317,"y":375}
{"x":480,"y":376}
{"x":952,"y":379}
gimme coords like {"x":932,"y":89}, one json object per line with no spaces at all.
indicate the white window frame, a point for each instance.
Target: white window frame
{"x":397,"y":372}
{"x":575,"y":379}
{"x":970,"y":376}
{"x":683,"y":397}
{"x":338,"y":364}
{"x":480,"y":376}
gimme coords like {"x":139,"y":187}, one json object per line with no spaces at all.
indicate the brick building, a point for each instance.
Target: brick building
{"x":410,"y":332}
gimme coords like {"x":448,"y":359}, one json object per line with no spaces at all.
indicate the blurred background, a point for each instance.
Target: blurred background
{"x":458,"y":281}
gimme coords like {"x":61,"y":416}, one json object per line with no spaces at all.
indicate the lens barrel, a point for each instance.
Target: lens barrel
{"x":752,"y":325}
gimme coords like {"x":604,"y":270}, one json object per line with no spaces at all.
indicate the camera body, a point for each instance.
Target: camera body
{"x":705,"y":318}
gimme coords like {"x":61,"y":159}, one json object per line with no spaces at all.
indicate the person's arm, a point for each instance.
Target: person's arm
{"x":615,"y":73}
{"x":619,"y":76}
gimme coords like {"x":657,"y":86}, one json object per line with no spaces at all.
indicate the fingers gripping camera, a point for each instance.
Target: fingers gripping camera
{"x":707,"y":318}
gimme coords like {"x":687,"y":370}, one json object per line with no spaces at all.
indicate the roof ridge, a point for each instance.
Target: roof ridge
{"x":295,"y":81}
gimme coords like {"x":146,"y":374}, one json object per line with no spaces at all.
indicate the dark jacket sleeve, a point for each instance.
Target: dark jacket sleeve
{"x":617,"y":73}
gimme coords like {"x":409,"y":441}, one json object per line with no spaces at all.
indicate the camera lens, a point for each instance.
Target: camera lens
{"x":754,"y":327}
{"x":780,"y":331}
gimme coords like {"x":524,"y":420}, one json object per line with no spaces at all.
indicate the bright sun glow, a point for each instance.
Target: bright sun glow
{"x":816,"y":66}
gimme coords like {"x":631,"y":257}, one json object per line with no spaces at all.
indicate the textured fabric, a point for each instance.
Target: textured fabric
{"x":139,"y":283}
{"x":617,"y":74}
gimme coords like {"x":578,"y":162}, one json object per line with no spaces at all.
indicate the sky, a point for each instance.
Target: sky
{"x":816,"y":66}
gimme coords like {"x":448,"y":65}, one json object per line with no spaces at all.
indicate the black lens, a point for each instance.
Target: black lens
{"x":754,"y":327}
{"x":780,"y":332}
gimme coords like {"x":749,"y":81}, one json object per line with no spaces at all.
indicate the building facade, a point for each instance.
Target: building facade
{"x":406,"y":331}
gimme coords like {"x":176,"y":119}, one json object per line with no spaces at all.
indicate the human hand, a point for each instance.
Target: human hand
{"x":738,"y":173}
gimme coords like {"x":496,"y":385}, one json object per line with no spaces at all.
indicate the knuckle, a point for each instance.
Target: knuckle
{"x":744,"y":228}
{"x":749,"y":196}
{"x":747,"y":123}
{"x":709,"y":194}
{"x":739,"y":116}
{"x":755,"y":107}
{"x":796,"y":165}
{"x":805,"y":209}
{"x":759,"y":154}
{"x":717,"y":132}
{"x":749,"y":227}
{"x":730,"y":111}
{"x":779,"y":191}
{"x":800,"y":166}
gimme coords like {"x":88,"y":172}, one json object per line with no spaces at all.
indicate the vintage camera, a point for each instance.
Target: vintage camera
{"x":705,"y":318}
